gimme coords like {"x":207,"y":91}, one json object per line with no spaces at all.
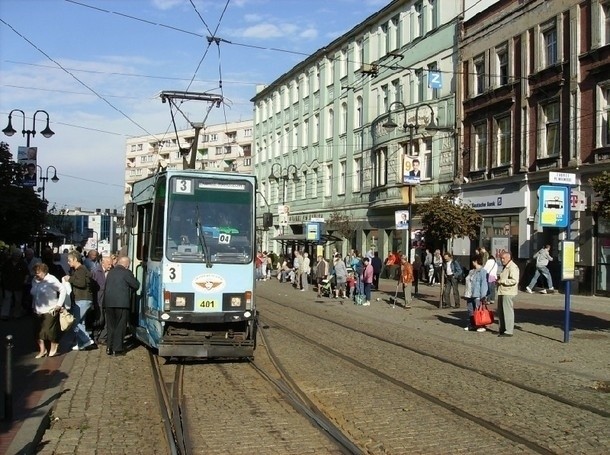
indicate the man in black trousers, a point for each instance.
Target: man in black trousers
{"x":120,"y":283}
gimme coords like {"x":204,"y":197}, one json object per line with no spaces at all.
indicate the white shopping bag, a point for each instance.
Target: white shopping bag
{"x":67,"y":303}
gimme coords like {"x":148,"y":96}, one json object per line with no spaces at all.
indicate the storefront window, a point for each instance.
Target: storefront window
{"x":603,"y":257}
{"x":500,"y":233}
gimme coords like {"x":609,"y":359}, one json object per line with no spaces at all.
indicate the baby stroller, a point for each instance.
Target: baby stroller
{"x":326,"y":287}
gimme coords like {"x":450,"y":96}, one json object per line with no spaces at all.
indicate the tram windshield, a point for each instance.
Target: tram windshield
{"x":209,"y":220}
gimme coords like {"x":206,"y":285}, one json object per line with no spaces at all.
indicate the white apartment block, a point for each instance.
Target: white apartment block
{"x":222,"y":147}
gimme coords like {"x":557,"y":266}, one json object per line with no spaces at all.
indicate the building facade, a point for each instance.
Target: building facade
{"x":324,"y":147}
{"x":535,"y":84}
{"x":221,"y":147}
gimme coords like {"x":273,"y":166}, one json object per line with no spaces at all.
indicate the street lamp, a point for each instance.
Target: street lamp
{"x":9,"y":130}
{"x":390,"y":125}
{"x":45,"y":179}
{"x":277,"y":172}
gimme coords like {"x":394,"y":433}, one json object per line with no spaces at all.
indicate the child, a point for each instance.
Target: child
{"x":351,"y":284}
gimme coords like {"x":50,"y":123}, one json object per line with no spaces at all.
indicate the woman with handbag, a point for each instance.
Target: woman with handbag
{"x":48,"y":295}
{"x":478,"y":291}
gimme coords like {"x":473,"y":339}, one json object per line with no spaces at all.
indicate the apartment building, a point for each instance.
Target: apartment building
{"x":536,"y":91}
{"x":221,"y":147}
{"x":324,"y":144}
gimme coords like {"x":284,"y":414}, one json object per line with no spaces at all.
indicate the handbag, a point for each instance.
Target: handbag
{"x":66,"y":319}
{"x":483,"y":316}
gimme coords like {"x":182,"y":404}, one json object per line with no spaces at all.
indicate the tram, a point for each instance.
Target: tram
{"x":191,"y":240}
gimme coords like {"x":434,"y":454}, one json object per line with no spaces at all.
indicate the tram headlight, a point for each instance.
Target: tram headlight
{"x":247,"y":314}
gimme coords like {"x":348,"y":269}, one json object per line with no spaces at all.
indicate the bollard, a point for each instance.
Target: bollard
{"x":8,"y":389}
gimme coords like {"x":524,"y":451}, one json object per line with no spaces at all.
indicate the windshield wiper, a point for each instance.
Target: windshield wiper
{"x":202,"y":242}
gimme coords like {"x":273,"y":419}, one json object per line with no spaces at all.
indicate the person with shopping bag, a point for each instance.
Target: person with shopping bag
{"x":80,"y":279}
{"x":477,"y":289}
{"x":48,"y":295}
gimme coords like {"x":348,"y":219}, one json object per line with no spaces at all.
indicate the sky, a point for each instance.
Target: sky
{"x":97,"y":68}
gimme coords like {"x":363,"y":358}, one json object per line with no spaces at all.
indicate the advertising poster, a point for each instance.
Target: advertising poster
{"x":401,"y":218}
{"x":26,"y":156}
{"x":411,"y":170}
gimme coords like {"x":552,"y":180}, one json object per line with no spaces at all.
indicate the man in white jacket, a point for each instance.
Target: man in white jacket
{"x":543,"y":257}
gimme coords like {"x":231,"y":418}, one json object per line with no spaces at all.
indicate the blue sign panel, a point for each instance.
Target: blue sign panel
{"x":434,"y":79}
{"x":553,"y":206}
{"x":312,"y":232}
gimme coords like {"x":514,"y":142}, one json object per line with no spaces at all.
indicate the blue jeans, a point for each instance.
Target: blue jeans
{"x":367,"y":291}
{"x":544,"y":271}
{"x":79,"y":310}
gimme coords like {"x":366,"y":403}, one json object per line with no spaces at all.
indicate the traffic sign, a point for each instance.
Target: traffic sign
{"x":553,"y":206}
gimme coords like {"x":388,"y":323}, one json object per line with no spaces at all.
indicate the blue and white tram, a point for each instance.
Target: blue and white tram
{"x":192,"y":245}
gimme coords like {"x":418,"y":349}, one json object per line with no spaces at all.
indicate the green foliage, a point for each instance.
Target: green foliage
{"x":340,"y":224}
{"x":21,"y":210}
{"x":443,"y":220}
{"x":601,"y":186}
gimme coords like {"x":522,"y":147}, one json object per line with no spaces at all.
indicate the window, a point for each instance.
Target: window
{"x":502,"y":146}
{"x":133,"y":147}
{"x":421,"y":85}
{"x":331,"y":123}
{"x":359,"y":112}
{"x":316,"y":78}
{"x":305,"y":85}
{"x":305,"y":135}
{"x":549,"y":45}
{"x":328,"y":187}
{"x":343,"y":63}
{"x":218,"y":150}
{"x":418,"y":23}
{"x":357,"y":175}
{"x":314,"y":183}
{"x":605,"y":23}
{"x":227,"y":149}
{"x":139,"y":147}
{"x":247,"y":161}
{"x":479,"y":159}
{"x":394,"y":34}
{"x":248,"y":132}
{"x":380,"y":168}
{"x":502,"y":65}
{"x":433,"y":14}
{"x":304,"y":185}
{"x":295,"y":92}
{"x":605,"y":116}
{"x":343,"y":126}
{"x":295,"y":136}
{"x":479,"y":74}
{"x":425,"y":156}
{"x":396,"y":90}
{"x":384,"y":38}
{"x":357,"y":54}
{"x":316,"y":128}
{"x":549,"y":143}
{"x":384,"y":101}
{"x":432,"y":73}
{"x":342,"y":176}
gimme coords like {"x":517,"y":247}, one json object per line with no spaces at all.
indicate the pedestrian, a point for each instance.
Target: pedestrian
{"x":542,"y":258}
{"x":296,"y":265}
{"x":263,"y":266}
{"x":120,"y":283}
{"x":99,"y":275}
{"x":48,"y":295}
{"x":406,"y":278}
{"x":427,"y":276}
{"x":507,"y":283}
{"x":437,"y":264}
{"x":491,"y":267}
{"x":476,"y":289}
{"x":321,"y":273}
{"x":367,"y":279}
{"x":340,"y":271}
{"x":80,"y":280}
{"x":305,"y":268}
{"x":453,"y":273}
{"x":417,"y":268}
{"x":91,"y":260}
{"x":377,"y":265}
{"x":14,"y":277}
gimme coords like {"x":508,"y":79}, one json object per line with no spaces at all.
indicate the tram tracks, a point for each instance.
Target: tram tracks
{"x":489,"y":421}
{"x":171,"y":405}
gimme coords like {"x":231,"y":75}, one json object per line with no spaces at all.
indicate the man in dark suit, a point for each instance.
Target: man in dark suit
{"x":415,"y":171}
{"x":120,"y":283}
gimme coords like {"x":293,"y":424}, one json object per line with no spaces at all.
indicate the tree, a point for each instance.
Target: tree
{"x":601,"y":186}
{"x":21,"y":211}
{"x":341,"y":224}
{"x":443,"y":220}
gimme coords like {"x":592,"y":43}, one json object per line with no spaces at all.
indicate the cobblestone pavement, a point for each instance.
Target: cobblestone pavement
{"x":107,"y":405}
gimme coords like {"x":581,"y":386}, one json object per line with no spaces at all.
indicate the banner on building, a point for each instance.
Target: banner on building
{"x":411,"y":170}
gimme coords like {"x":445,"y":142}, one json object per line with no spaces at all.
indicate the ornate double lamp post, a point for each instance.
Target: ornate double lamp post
{"x":9,"y":130}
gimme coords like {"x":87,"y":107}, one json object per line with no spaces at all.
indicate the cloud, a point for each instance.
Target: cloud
{"x":309,"y":33}
{"x":166,"y":4}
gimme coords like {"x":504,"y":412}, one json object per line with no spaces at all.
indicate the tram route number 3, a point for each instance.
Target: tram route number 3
{"x":207,"y":304}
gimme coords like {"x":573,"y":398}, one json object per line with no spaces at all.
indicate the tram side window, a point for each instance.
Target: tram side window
{"x":143,"y":228}
{"x":156,"y":246}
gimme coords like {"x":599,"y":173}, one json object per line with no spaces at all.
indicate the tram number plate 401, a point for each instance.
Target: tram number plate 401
{"x":207,"y":304}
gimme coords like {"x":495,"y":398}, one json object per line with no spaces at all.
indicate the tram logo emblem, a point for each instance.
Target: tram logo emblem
{"x":209,"y":282}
